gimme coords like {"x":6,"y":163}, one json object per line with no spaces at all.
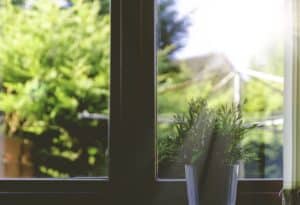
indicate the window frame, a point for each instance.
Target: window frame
{"x":132,"y":145}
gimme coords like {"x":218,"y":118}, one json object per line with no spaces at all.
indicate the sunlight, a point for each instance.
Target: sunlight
{"x":240,"y":29}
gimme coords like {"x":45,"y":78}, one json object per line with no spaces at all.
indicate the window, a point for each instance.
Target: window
{"x":132,"y":175}
{"x":220,"y":51}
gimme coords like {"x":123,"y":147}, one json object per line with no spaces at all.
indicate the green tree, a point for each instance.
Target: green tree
{"x":54,"y":64}
{"x":172,"y":29}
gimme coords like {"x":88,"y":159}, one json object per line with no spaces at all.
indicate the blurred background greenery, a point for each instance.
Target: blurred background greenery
{"x":54,"y":68}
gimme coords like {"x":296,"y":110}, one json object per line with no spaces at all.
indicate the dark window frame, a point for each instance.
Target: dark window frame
{"x":132,"y":166}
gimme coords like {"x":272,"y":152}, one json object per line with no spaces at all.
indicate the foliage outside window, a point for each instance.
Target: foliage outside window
{"x":54,"y":64}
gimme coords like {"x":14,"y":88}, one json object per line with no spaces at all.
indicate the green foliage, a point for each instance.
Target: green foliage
{"x":200,"y":125}
{"x":54,"y":63}
{"x":194,"y":129}
{"x":172,"y":28}
{"x":269,"y":152}
{"x":263,"y":100}
{"x":105,"y":7}
{"x":269,"y":100}
{"x":231,"y":125}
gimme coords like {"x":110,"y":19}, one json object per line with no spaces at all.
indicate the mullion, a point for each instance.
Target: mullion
{"x":132,"y":145}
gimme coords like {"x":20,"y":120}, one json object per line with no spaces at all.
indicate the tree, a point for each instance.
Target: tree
{"x":54,"y":65}
{"x":172,"y":29}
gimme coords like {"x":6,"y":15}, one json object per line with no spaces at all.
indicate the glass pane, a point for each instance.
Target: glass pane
{"x":54,"y":68}
{"x":225,"y":53}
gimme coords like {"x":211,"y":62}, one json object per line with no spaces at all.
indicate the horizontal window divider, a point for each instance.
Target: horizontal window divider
{"x":171,"y":180}
{"x":171,"y":191}
{"x":249,"y":180}
{"x":77,"y":179}
{"x":95,"y":186}
{"x":260,"y":186}
{"x":167,"y":191}
{"x":260,"y":179}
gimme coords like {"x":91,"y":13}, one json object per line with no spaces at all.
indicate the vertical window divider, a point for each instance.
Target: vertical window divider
{"x":132,"y":128}
{"x":291,"y":168}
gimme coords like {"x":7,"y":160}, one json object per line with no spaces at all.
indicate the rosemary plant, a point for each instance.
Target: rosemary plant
{"x":200,"y":126}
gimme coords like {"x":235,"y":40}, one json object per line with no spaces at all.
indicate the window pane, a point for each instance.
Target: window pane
{"x":54,"y":68}
{"x":225,"y":52}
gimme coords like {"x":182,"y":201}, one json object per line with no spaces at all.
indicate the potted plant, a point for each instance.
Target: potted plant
{"x":211,"y":142}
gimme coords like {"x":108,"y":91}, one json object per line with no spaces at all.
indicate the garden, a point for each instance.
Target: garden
{"x":55,"y":89}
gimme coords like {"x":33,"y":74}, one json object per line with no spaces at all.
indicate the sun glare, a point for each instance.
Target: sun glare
{"x":238,"y":28}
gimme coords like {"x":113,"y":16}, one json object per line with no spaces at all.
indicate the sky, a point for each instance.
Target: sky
{"x":237,"y":28}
